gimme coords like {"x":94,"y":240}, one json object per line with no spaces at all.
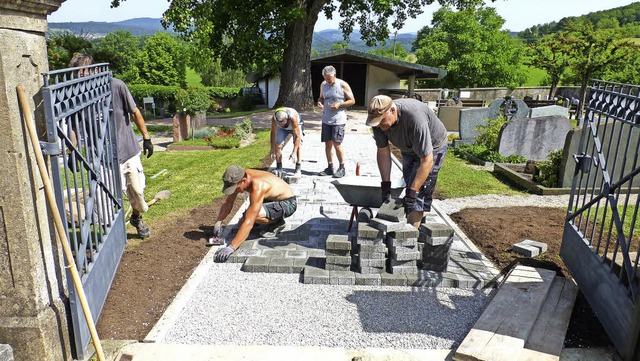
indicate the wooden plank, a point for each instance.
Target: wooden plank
{"x":547,"y":336}
{"x":501,"y":331}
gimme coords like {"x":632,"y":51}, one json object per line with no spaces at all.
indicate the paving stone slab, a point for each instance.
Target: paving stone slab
{"x":526,"y":250}
{"x":435,"y":241}
{"x":372,"y":262}
{"x":341,"y":260}
{"x":242,"y":255}
{"x":386,"y":226}
{"x":337,"y":252}
{"x":403,"y":269}
{"x":404,"y":255}
{"x":436,"y":229}
{"x":365,"y":231}
{"x":371,"y":242}
{"x":392,"y":210}
{"x":295,"y":254}
{"x":338,"y":242}
{"x":372,"y":270}
{"x":406,"y":232}
{"x":342,"y":278}
{"x":274,"y":253}
{"x":316,"y":276}
{"x":388,"y":279}
{"x":256,"y":264}
{"x":408,"y":242}
{"x":370,"y":279}
{"x":337,"y":267}
{"x":281,"y":265}
{"x":364,"y":248}
{"x":437,"y":265}
{"x":541,"y":245}
{"x":372,"y":255}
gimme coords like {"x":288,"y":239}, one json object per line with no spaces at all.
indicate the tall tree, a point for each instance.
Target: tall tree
{"x":163,"y":60}
{"x":551,"y":54}
{"x":592,"y":52}
{"x":62,"y":46}
{"x":275,"y":36}
{"x":120,"y":49}
{"x":471,"y":46}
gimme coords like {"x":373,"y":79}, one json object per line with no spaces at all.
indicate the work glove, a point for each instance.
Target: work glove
{"x":386,"y":190}
{"x":223,"y":254}
{"x":217,"y":229}
{"x":293,"y":158}
{"x":409,"y":200}
{"x":147,"y":147}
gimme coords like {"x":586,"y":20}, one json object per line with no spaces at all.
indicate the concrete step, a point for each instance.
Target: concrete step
{"x":502,"y":329}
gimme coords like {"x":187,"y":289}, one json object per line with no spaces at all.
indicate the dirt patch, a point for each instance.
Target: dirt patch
{"x":151,"y":274}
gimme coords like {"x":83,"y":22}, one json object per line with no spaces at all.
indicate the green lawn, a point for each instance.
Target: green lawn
{"x":536,"y":77}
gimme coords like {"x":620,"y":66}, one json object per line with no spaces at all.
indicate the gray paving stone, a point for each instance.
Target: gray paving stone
{"x":430,"y":252}
{"x":337,"y":267}
{"x":403,"y":269}
{"x":386,"y":226}
{"x":392,"y":210}
{"x":281,"y":265}
{"x":406,"y":232}
{"x":388,"y":279}
{"x":256,"y":264}
{"x":371,"y":242}
{"x":372,"y":248}
{"x":408,"y":242}
{"x":242,"y":255}
{"x":294,"y":253}
{"x":540,"y":245}
{"x":434,"y":241}
{"x":366,"y":231}
{"x":314,"y":275}
{"x":299,"y":264}
{"x":372,"y":255}
{"x":274,"y":253}
{"x":409,"y":262}
{"x":469,"y":282}
{"x":337,"y":252}
{"x":338,"y":242}
{"x":435,"y":265}
{"x":341,"y":260}
{"x":526,"y":250}
{"x":403,"y":254}
{"x":372,"y":262}
{"x":342,"y":278}
{"x":436,"y":229}
{"x":371,"y":279}
{"x":372,"y":270}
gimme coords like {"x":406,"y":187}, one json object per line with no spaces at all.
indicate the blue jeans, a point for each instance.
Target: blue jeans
{"x":410,"y":164}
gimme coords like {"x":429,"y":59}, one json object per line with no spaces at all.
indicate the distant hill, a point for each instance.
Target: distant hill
{"x":95,"y":30}
{"x":322,"y":40}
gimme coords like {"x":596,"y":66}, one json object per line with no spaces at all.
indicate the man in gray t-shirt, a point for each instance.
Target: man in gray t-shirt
{"x":421,"y":137}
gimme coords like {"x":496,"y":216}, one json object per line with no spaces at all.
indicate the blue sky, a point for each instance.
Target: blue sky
{"x":518,"y":14}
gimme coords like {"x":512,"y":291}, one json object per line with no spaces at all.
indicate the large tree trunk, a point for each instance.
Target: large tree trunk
{"x":295,"y":82}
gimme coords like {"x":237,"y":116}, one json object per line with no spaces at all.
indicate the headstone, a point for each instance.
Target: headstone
{"x":533,"y":138}
{"x":469,"y":120}
{"x":550,"y":110}
{"x":521,"y":109}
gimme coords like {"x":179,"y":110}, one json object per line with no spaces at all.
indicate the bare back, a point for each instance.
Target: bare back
{"x":273,"y":188}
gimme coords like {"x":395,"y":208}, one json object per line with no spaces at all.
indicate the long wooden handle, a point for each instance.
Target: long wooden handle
{"x":62,"y":232}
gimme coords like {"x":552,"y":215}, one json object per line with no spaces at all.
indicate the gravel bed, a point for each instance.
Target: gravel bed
{"x":232,"y":307}
{"x":454,"y":205}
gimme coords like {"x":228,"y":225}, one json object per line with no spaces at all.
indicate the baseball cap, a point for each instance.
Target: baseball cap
{"x":231,"y":177}
{"x":377,"y":107}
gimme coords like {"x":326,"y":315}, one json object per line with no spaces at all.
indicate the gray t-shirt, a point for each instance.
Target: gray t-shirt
{"x":333,"y":94}
{"x":417,"y":131}
{"x":123,"y":105}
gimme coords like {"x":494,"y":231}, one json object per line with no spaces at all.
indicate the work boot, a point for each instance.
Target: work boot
{"x":136,"y":221}
{"x":326,"y":171}
{"x":278,"y":172}
{"x":298,"y":171}
{"x":339,"y":173}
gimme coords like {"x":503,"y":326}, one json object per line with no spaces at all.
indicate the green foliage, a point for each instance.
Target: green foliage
{"x":120,"y":49}
{"x":160,"y":93}
{"x":549,"y":171}
{"x":394,"y":51}
{"x":193,"y":78}
{"x":486,"y":144}
{"x":246,"y":103}
{"x":340,"y":45}
{"x":243,"y":128}
{"x":192,"y":100}
{"x":550,"y":54}
{"x":62,"y":46}
{"x":162,"y":61}
{"x":471,"y":46}
{"x":490,"y":133}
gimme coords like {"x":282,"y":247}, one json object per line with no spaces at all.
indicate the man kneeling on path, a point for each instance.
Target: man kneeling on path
{"x":270,"y":202}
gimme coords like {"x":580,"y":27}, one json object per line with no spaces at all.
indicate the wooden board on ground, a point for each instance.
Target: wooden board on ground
{"x":546,"y":340}
{"x":501,"y":331}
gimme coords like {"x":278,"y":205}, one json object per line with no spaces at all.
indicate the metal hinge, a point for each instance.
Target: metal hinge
{"x":583,"y":161}
{"x":49,"y":148}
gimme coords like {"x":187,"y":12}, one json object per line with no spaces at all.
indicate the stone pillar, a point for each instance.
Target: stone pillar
{"x":33,"y":317}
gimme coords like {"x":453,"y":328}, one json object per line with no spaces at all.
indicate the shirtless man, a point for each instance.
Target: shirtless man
{"x":270,"y":202}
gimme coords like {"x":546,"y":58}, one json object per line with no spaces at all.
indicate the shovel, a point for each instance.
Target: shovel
{"x":165,"y":194}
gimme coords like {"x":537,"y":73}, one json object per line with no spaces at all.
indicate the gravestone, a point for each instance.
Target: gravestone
{"x":533,"y":138}
{"x":469,"y":120}
{"x":521,"y":109}
{"x":550,"y":110}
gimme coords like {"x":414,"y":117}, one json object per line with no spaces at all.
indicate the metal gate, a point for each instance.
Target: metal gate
{"x":600,"y":241}
{"x":86,"y":177}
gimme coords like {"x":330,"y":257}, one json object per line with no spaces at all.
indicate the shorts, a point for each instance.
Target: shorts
{"x":282,"y":134}
{"x":410,"y":164}
{"x":332,"y":132}
{"x":278,"y":210}
{"x":133,"y":183}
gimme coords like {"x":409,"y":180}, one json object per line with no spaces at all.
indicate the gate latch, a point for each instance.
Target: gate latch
{"x":583,"y":162}
{"x":49,"y":148}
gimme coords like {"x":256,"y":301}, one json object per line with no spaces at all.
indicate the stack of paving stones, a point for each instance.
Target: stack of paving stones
{"x":371,"y":250}
{"x":435,"y":241}
{"x":338,"y":253}
{"x":403,"y":250}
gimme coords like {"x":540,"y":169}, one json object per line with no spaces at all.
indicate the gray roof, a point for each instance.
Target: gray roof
{"x":402,"y":69}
